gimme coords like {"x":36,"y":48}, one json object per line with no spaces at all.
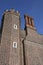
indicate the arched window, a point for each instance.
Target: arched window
{"x":14,"y":44}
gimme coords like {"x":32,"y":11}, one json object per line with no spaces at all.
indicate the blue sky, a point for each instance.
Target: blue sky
{"x":33,"y":8}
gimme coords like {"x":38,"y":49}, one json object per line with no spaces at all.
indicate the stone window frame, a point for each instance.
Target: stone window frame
{"x":14,"y":44}
{"x":15,"y":26}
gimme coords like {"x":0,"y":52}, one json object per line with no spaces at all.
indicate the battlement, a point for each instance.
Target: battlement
{"x":12,"y":11}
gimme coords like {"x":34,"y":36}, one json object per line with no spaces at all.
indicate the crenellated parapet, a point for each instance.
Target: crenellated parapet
{"x":11,"y":11}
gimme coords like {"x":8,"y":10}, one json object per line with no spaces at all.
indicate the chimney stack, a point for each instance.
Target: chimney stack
{"x":29,"y":23}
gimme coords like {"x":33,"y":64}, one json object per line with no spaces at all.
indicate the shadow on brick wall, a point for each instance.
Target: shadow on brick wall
{"x":1,"y":29}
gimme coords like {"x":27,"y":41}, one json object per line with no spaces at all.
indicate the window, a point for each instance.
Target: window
{"x":14,"y":44}
{"x":15,"y":26}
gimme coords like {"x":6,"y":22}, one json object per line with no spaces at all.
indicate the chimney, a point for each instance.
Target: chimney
{"x":29,"y":22}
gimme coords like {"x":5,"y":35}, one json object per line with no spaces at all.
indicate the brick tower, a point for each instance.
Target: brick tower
{"x":10,"y":41}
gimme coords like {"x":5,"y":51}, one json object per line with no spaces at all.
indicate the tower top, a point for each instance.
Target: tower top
{"x":29,"y":22}
{"x":12,"y":11}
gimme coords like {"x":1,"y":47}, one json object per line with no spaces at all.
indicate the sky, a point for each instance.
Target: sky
{"x":33,"y":8}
